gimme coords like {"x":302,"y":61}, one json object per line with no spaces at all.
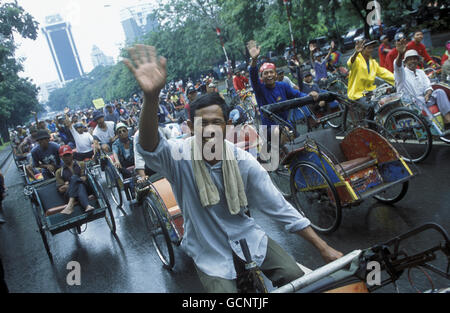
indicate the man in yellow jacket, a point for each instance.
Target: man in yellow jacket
{"x":363,"y":70}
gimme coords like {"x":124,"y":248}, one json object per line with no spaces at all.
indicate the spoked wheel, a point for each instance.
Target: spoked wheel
{"x":159,"y":234}
{"x":412,"y":135}
{"x":109,"y":216}
{"x":393,"y":194}
{"x":315,"y":197}
{"x":113,"y":185}
{"x":281,"y":180}
{"x":45,"y":234}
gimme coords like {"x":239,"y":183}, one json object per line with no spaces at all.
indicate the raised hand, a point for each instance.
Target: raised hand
{"x":253,"y":49}
{"x":360,"y":45}
{"x":401,"y":46}
{"x":149,"y":70}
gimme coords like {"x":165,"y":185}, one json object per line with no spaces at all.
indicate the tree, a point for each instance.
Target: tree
{"x":18,"y":96}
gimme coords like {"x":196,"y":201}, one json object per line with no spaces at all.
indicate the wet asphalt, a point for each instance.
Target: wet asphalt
{"x":128,"y":263}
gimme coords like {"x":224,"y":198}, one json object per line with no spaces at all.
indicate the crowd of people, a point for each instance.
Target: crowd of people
{"x":58,"y":148}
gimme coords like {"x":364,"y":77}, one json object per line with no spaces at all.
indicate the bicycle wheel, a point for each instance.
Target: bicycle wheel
{"x":393,"y":194}
{"x":113,"y":185}
{"x":281,"y":180}
{"x":315,"y":197}
{"x":159,"y":234}
{"x":109,"y":215}
{"x":411,"y":132}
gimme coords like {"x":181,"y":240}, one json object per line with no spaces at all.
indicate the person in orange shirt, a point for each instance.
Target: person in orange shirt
{"x":416,"y":44}
{"x":239,"y":81}
{"x":383,"y":50}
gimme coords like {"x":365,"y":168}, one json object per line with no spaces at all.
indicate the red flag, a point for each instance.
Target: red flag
{"x":218,"y":31}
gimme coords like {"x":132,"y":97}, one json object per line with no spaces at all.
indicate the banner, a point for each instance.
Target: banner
{"x":98,"y":103}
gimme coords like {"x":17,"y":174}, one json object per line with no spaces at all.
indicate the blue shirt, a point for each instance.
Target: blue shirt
{"x":52,"y":127}
{"x":321,"y":70}
{"x":211,"y":233}
{"x":265,"y":95}
{"x":49,"y":156}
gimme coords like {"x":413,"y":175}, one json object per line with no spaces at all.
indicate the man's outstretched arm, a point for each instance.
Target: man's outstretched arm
{"x":150,"y":73}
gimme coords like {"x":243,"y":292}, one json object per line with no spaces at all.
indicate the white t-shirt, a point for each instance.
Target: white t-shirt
{"x":83,"y":142}
{"x":105,"y":136}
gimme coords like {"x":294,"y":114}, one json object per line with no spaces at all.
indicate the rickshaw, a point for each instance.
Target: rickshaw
{"x":47,"y":203}
{"x":325,"y":175}
{"x":162,"y":215}
{"x":432,"y":113}
{"x":352,"y":272}
{"x":115,"y":182}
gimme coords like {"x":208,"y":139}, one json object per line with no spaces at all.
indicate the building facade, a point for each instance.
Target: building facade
{"x":99,"y":58}
{"x":64,"y":52}
{"x":137,"y":21}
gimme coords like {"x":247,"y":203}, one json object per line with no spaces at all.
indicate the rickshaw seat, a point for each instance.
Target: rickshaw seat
{"x":355,"y":165}
{"x":326,"y":138}
{"x":433,"y":109}
{"x":165,"y":191}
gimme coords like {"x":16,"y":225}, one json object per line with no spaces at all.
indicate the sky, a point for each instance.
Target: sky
{"x":92,"y":24}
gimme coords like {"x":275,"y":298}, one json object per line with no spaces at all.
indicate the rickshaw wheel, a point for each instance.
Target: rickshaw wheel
{"x":113,"y":186}
{"x":109,"y":216}
{"x":387,"y":198}
{"x":159,"y":234}
{"x":322,"y":206}
{"x":417,"y":152}
{"x":44,"y":234}
{"x":280,"y":179}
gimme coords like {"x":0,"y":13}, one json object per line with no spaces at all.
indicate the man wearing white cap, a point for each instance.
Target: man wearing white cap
{"x":415,"y":83}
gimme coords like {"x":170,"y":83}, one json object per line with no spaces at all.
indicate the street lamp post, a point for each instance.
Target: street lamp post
{"x":288,"y":11}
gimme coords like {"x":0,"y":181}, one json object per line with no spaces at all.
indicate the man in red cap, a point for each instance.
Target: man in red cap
{"x":71,"y":181}
{"x":268,"y":90}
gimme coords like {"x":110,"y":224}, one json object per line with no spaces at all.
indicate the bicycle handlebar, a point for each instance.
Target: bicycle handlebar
{"x":297,"y":102}
{"x":394,"y":262}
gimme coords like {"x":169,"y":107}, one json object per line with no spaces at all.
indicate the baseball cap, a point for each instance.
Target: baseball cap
{"x":120,"y":125}
{"x":383,"y":37}
{"x":42,"y":134}
{"x":399,"y":36}
{"x":190,"y":90}
{"x":97,"y":115}
{"x":370,"y":43}
{"x":78,"y":125}
{"x":63,"y":150}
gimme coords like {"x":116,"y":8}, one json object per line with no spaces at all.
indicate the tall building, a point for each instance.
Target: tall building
{"x":46,"y":89}
{"x":62,"y":47}
{"x":137,"y":21}
{"x":99,"y":58}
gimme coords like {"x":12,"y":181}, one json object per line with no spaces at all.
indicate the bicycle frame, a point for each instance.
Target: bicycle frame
{"x":392,"y":259}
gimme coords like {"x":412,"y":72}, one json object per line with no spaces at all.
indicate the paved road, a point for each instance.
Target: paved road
{"x":129,"y":262}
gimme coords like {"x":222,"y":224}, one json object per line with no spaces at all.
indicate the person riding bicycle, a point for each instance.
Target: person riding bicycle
{"x":45,"y":155}
{"x":413,"y":82}
{"x":71,"y":181}
{"x":392,"y":55}
{"x":287,"y":80}
{"x":240,"y":82}
{"x":363,"y":71}
{"x":84,"y":142}
{"x":268,"y":90}
{"x":104,"y":134}
{"x":320,"y":63}
{"x":416,"y":44}
{"x":383,"y":50}
{"x":214,"y":186}
{"x":123,"y":151}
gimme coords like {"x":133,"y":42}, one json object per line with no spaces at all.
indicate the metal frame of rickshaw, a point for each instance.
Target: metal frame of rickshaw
{"x":349,"y":274}
{"x":314,"y":166}
{"x":50,"y":222}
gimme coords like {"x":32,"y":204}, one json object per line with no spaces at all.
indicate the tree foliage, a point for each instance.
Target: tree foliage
{"x":18,"y":96}
{"x":187,"y":37}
